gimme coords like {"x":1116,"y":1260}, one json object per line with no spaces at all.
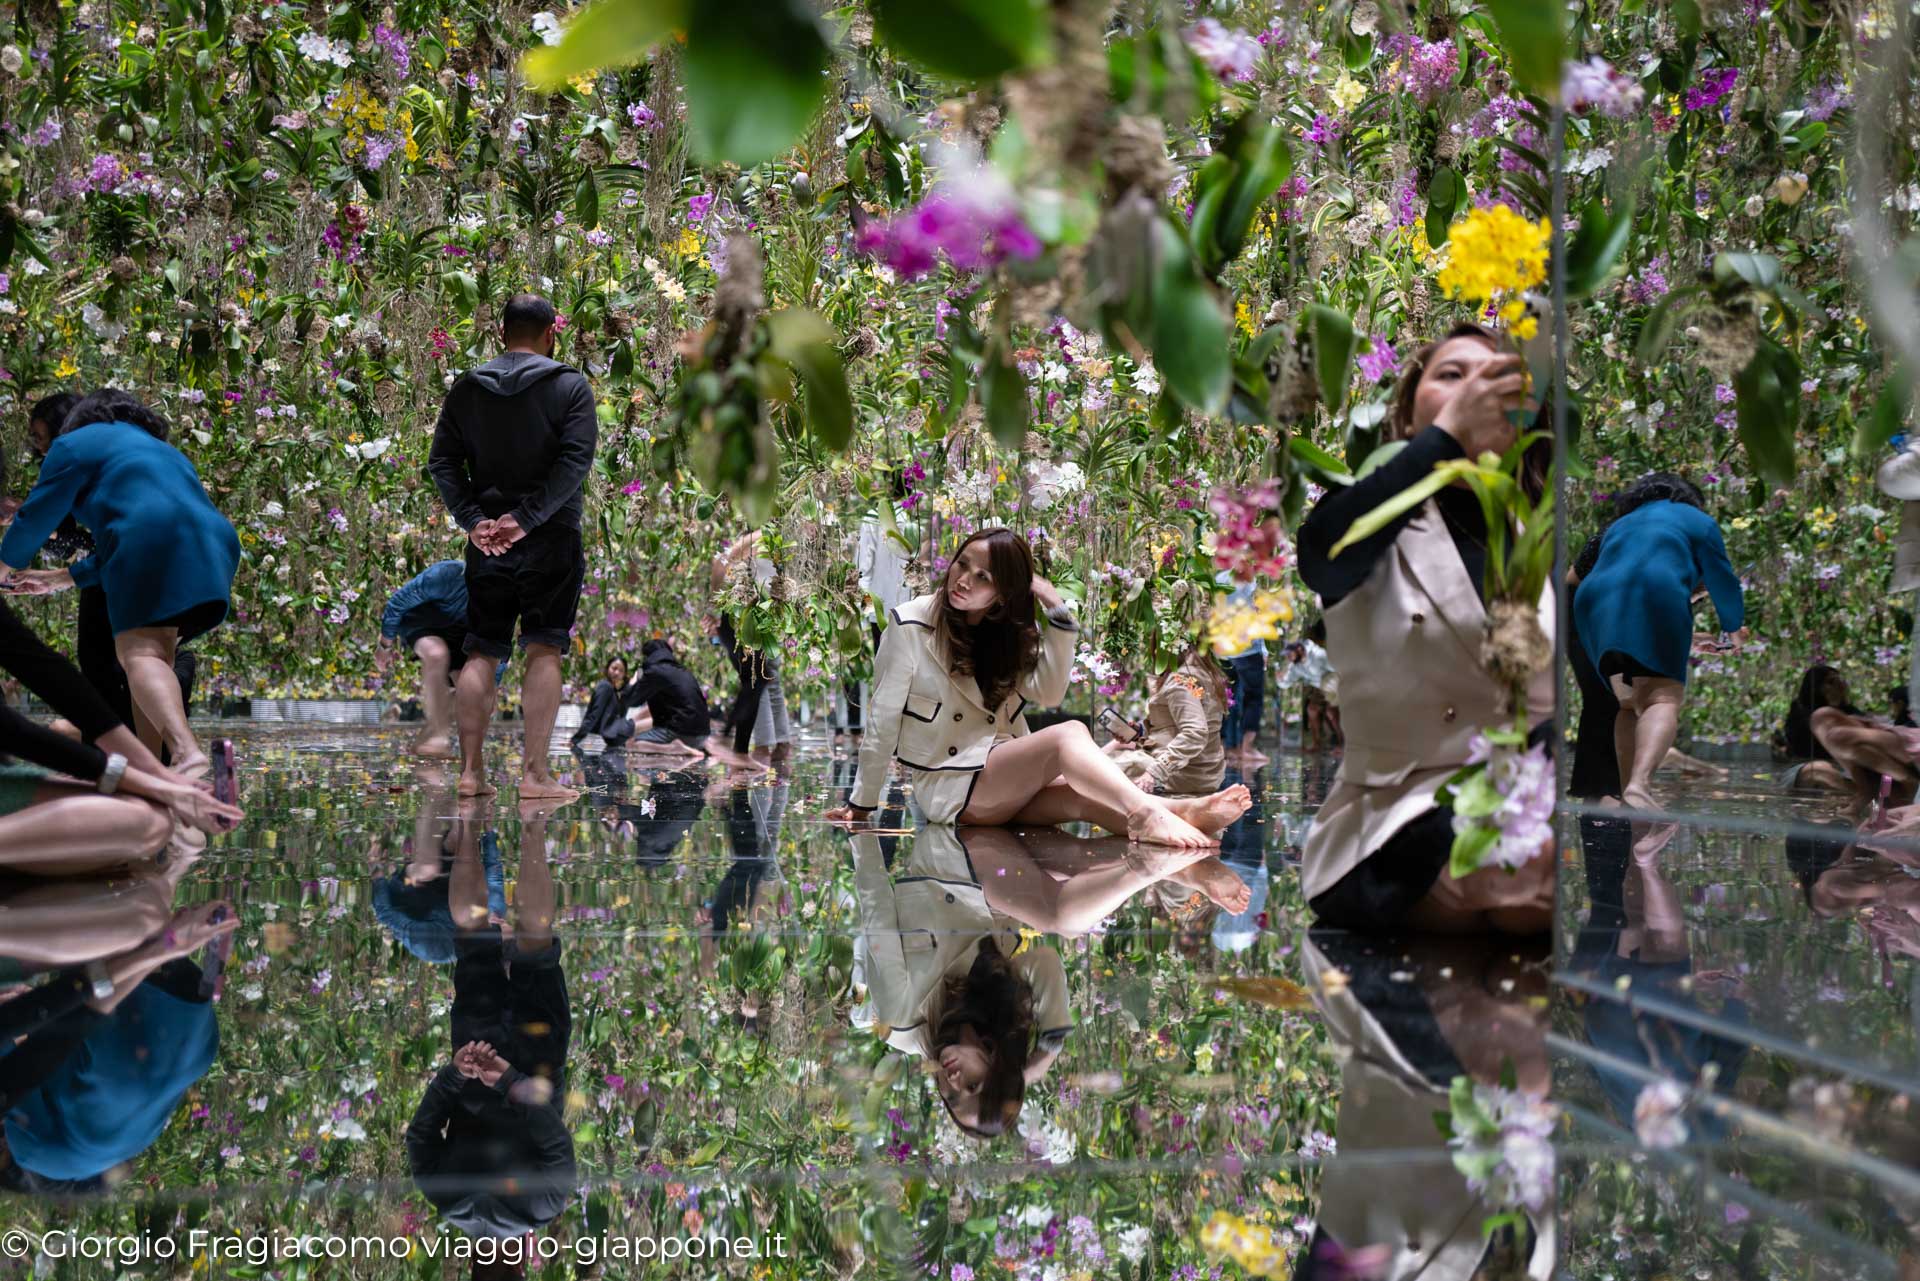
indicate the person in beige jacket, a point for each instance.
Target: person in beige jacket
{"x":955,"y":673}
{"x":1182,"y":753}
{"x":1405,"y":619}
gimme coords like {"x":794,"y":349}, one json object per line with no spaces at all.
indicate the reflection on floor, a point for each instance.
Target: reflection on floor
{"x":751,"y":1028}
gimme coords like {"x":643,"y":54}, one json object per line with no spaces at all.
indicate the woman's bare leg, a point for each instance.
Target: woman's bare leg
{"x":1099,"y":883}
{"x":68,"y":831}
{"x":147,"y":655}
{"x":1018,"y":770}
{"x":1057,"y":803}
{"x":1656,"y":708}
{"x":435,"y":741}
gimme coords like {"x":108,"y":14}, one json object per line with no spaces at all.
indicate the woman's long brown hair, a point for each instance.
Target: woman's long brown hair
{"x":995,"y":1001}
{"x":1004,"y":647}
{"x":1538,"y":461}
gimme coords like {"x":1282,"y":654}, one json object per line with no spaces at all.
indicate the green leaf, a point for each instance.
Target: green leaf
{"x":1535,"y":39}
{"x":1189,"y":329}
{"x":1762,"y":271}
{"x":805,"y":341}
{"x":1379,"y":458}
{"x":754,"y":77}
{"x":1597,"y":245}
{"x":1261,"y":164}
{"x":1767,"y":404}
{"x":1470,"y":848}
{"x":1003,"y":397}
{"x":1657,"y":330}
{"x":1882,"y":424}
{"x":586,"y":201}
{"x":965,"y":39}
{"x":613,"y":33}
{"x":1404,"y":501}
{"x":1320,"y":460}
{"x":1333,"y":346}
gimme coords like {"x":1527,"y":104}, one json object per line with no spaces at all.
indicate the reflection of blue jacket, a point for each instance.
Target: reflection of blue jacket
{"x":435,"y":599}
{"x":421,"y":916}
{"x":160,"y":546}
{"x":114,"y":1095}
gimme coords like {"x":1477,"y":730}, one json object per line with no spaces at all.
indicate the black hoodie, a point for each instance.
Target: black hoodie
{"x":515,"y":437}
{"x":670,"y":693}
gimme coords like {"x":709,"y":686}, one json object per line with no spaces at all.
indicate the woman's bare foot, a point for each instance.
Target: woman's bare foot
{"x":1217,"y":881}
{"x":545,"y":789}
{"x":1638,"y":798}
{"x":193,"y":765}
{"x":1214,"y":813}
{"x":475,"y":785}
{"x":1155,"y":824}
{"x":436,"y":747}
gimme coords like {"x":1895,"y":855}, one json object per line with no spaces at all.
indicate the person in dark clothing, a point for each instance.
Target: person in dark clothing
{"x":605,"y":715}
{"x":677,"y":718}
{"x":489,"y":1144}
{"x":510,"y":457}
{"x":1596,"y":766}
{"x":427,"y":617}
{"x":1900,"y":707}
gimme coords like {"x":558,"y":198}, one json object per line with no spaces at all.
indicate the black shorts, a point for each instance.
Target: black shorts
{"x":1376,"y":896}
{"x":535,"y":583}
{"x":194,"y":621}
{"x":515,"y":1001}
{"x":455,"y":638}
{"x":1628,"y":668}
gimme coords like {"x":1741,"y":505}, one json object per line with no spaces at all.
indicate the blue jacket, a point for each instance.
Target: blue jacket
{"x":432,"y":600}
{"x":1638,"y":600}
{"x":160,"y":545}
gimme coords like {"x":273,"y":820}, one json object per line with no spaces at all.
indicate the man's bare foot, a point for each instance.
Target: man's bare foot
{"x":1155,"y":824}
{"x":435,"y":747}
{"x":545,"y":789}
{"x":1217,"y":881}
{"x":1214,"y":813}
{"x":475,"y":785}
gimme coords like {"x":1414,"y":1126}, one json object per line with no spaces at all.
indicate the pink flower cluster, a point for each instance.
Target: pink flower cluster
{"x":1715,"y":84}
{"x":1249,"y":542}
{"x":1228,"y":52}
{"x":1595,"y":85}
{"x":1524,"y":779}
{"x":1426,"y":69}
{"x":976,"y":225}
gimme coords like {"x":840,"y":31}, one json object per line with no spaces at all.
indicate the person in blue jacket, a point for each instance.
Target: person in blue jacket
{"x":164,"y":554}
{"x":1635,"y":615}
{"x":427,"y":617}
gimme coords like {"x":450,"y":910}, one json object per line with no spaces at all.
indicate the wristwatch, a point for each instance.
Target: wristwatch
{"x":110,"y":776}
{"x":102,"y":982}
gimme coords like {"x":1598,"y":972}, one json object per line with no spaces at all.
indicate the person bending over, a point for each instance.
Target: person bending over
{"x":427,"y":617}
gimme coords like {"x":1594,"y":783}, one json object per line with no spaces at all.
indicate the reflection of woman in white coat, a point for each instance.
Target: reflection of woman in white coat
{"x":955,"y":673}
{"x":943,"y":962}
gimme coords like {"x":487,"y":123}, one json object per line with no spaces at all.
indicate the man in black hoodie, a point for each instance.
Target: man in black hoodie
{"x":510,"y":457}
{"x":677,"y":705}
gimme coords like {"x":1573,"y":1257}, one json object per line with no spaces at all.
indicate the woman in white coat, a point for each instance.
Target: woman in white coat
{"x":955,"y":673}
{"x":1405,"y":618}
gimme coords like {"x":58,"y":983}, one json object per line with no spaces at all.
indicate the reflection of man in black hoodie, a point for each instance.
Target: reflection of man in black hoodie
{"x":489,"y":1143}
{"x":510,"y":457}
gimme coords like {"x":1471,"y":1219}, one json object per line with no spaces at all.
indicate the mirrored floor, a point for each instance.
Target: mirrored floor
{"x":682,"y":1027}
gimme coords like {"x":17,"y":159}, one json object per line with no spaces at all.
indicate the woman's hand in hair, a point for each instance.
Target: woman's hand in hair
{"x":1045,"y":592}
{"x":1476,"y":415}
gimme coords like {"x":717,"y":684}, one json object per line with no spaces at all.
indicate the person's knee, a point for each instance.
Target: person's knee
{"x":153,"y":827}
{"x":432,"y":650}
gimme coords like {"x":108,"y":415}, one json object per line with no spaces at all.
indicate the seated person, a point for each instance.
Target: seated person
{"x":1182,"y":753}
{"x":676,"y":719}
{"x":604,"y":715}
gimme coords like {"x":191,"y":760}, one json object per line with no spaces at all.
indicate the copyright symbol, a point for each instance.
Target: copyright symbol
{"x":15,"y":1243}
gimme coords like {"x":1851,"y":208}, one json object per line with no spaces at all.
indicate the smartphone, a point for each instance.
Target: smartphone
{"x":225,"y":786}
{"x":213,"y":961}
{"x":1117,"y":725}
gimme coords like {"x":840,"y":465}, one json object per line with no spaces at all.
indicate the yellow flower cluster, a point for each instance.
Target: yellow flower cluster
{"x":1493,"y":256}
{"x":1249,"y":1244}
{"x":1234,"y":627}
{"x":688,"y":244}
{"x":356,"y":111}
{"x":1820,"y":520}
{"x":1243,"y":317}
